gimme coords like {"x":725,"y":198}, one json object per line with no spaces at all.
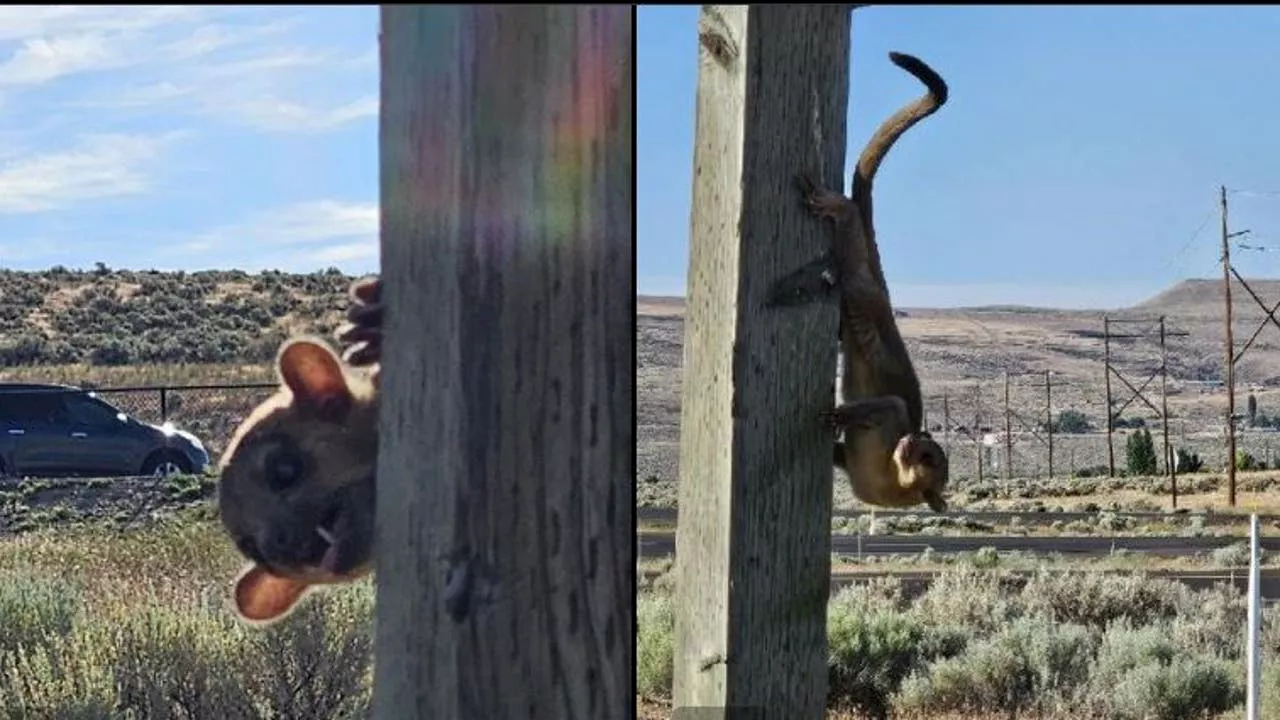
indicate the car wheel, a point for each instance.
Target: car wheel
{"x":165,"y":464}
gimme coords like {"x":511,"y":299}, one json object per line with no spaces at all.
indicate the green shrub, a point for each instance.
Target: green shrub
{"x":317,"y":662}
{"x":1245,"y":461}
{"x":969,"y":598}
{"x":72,"y":679}
{"x":655,"y":644}
{"x":1185,"y":687}
{"x":1140,"y":453}
{"x":1189,"y":462}
{"x":35,"y":610}
{"x":1098,"y":599}
{"x":871,"y":650}
{"x":1071,"y":422}
{"x":1029,"y":665}
{"x":187,"y":664}
{"x":1270,"y":700}
{"x":1235,"y":554}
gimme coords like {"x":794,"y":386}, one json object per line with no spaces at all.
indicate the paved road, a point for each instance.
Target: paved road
{"x":668,"y":515}
{"x":915,"y":582}
{"x":659,"y":544}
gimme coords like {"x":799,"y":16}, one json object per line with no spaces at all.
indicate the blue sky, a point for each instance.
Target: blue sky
{"x":189,"y":137}
{"x":1080,"y":151}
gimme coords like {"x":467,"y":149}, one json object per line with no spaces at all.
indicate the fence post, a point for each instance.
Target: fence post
{"x":1048,"y":415}
{"x":505,"y":511}
{"x":753,"y":540}
{"x":1253,"y":631}
{"x":164,"y":404}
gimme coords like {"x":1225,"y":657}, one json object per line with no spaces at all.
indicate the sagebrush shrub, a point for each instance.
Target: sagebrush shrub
{"x":35,"y":611}
{"x":869,"y":653}
{"x":1097,"y":599}
{"x":1030,"y":665}
{"x":99,"y":624}
{"x":655,"y":644}
{"x":1185,"y":687}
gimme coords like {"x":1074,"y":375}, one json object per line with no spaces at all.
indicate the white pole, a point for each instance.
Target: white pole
{"x":1253,"y":654}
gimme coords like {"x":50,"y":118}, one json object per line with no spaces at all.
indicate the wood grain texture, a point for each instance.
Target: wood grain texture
{"x":505,"y":570}
{"x":753,"y":557}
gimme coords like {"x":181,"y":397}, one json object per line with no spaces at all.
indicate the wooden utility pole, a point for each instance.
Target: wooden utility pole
{"x":505,"y":509}
{"x":1230,"y":356}
{"x":753,"y":542}
{"x":946,"y":423}
{"x":1169,"y":464}
{"x":1106,"y":373}
{"x":1048,"y":415}
{"x":1008,"y":431}
{"x":978,"y":435}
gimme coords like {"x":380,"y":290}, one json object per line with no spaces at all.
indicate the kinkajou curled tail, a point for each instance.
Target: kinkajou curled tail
{"x":900,"y":122}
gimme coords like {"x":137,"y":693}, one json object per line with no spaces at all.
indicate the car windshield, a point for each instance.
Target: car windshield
{"x":96,"y":400}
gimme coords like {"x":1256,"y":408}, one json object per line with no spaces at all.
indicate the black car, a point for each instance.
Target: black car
{"x":59,"y":431}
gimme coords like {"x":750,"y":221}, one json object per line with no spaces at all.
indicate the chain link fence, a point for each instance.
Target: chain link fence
{"x":210,"y":412}
{"x":992,"y":432}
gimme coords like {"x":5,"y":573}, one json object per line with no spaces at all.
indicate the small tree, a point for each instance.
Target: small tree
{"x":1071,"y":421}
{"x":1253,"y":410}
{"x":1188,"y":462}
{"x":1246,"y":461}
{"x":1140,"y":453}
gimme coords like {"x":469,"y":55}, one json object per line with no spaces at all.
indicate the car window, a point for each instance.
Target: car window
{"x":9,"y":401}
{"x":32,"y":406}
{"x":85,"y":410}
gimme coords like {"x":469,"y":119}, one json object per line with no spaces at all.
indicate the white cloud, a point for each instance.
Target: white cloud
{"x":309,"y":222}
{"x":88,"y":93}
{"x":287,"y":91}
{"x":206,"y":61}
{"x":277,"y":115}
{"x":40,"y":60}
{"x":346,"y":252}
{"x":146,"y":95}
{"x":19,"y":22}
{"x":99,"y":166}
{"x":63,"y":41}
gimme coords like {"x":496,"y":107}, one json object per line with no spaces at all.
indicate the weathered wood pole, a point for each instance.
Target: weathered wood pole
{"x":506,"y":577}
{"x":753,"y":538}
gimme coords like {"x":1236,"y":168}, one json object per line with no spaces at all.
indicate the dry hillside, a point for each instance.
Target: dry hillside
{"x":123,"y":317}
{"x":963,"y":353}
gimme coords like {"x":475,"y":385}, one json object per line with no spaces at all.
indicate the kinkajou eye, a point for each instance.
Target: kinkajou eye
{"x":284,"y":468}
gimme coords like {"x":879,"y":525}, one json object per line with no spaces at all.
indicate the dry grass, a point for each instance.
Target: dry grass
{"x":141,"y":375}
{"x":105,"y":624}
{"x":661,"y":710}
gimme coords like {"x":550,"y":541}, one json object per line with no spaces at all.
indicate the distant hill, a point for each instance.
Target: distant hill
{"x":1203,"y":298}
{"x":123,"y":317}
{"x":956,"y":346}
{"x":961,"y":355}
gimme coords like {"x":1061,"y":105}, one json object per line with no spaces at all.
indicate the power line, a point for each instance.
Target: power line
{"x":1257,"y":248}
{"x":1203,"y":223}
{"x":1171,"y":263}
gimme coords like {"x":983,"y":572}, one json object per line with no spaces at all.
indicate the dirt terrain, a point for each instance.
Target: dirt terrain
{"x":962,"y":355}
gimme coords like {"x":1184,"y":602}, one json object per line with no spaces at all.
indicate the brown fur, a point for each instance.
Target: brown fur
{"x":303,"y":465}
{"x":891,"y":461}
